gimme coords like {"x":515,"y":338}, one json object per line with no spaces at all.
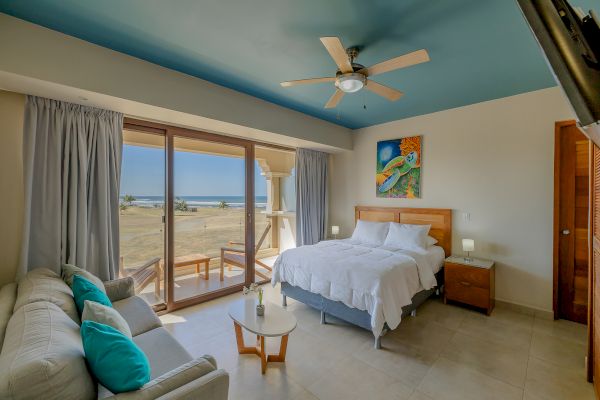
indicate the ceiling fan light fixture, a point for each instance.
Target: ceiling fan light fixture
{"x":350,"y":83}
{"x":351,"y":77}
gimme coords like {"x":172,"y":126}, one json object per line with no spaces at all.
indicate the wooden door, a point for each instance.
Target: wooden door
{"x":593,"y":363}
{"x":573,"y":160}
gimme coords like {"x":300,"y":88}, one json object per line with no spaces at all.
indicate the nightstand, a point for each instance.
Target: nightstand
{"x":470,"y":282}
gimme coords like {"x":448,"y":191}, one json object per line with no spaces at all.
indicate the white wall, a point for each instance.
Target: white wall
{"x":287,"y":225}
{"x":287,"y":233}
{"x":287,"y":189}
{"x":493,"y":160}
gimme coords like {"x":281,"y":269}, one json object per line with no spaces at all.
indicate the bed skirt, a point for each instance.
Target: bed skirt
{"x":349,"y":314}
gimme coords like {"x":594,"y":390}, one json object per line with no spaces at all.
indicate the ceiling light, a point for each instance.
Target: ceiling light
{"x":350,"y":83}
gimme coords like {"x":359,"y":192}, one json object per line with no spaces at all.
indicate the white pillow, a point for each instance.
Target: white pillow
{"x":407,"y":237}
{"x":431,"y":241}
{"x":370,"y":232}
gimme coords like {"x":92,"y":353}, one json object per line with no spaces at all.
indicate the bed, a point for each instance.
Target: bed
{"x":367,"y":285}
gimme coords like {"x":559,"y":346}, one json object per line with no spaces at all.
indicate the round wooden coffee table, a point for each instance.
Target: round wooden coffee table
{"x":275,"y":322}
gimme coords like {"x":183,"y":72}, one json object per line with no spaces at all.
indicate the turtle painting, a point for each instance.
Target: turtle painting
{"x":398,"y":173}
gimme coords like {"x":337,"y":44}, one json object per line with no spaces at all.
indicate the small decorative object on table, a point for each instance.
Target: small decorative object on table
{"x":260,"y":307}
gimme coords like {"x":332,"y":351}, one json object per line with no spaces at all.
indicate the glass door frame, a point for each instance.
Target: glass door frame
{"x":170,"y":132}
{"x":248,"y":147}
{"x":159,"y":130}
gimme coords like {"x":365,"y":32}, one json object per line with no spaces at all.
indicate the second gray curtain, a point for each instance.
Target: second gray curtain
{"x":72,"y":165}
{"x":311,"y":196}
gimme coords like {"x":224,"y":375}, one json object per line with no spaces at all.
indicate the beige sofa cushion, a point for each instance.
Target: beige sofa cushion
{"x":8,"y":296}
{"x":68,"y":271}
{"x":169,"y":355}
{"x":43,"y":357}
{"x":119,"y":289}
{"x":164,"y":353}
{"x":138,"y":314}
{"x":42,"y":284}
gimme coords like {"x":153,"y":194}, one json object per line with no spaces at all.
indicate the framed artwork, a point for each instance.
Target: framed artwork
{"x":398,"y":173}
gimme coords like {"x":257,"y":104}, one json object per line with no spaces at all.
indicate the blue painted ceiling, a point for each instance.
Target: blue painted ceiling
{"x":480,"y":49}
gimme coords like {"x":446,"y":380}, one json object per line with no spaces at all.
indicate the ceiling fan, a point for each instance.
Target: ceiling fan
{"x":352,"y":77}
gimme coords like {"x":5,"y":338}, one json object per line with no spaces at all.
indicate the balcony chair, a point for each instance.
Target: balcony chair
{"x":143,"y":275}
{"x":237,"y":257}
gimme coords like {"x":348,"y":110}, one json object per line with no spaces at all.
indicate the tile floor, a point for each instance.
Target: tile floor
{"x":445,"y":352}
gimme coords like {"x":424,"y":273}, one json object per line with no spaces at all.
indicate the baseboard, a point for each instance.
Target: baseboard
{"x":527,"y":310}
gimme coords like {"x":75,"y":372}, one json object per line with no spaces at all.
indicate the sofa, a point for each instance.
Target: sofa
{"x":42,"y":354}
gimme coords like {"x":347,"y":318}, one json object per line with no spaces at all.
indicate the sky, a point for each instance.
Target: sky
{"x":143,"y":174}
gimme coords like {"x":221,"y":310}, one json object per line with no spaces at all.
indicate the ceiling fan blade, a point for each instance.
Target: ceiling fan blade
{"x":338,"y":53}
{"x":406,"y":60}
{"x":307,"y":81}
{"x":335,"y":99}
{"x":383,"y":91}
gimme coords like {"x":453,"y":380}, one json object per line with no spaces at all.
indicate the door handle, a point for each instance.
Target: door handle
{"x":566,"y":232}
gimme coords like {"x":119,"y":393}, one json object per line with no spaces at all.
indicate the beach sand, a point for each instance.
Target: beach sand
{"x":204,"y":231}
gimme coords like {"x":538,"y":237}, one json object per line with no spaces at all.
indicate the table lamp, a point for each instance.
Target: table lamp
{"x":468,"y":246}
{"x":335,"y":230}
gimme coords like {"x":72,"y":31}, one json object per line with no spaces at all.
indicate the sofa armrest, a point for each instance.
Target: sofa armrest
{"x":212,"y":386}
{"x":119,"y":289}
{"x":191,"y":377}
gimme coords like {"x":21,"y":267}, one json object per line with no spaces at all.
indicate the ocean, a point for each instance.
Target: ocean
{"x":199,"y":201}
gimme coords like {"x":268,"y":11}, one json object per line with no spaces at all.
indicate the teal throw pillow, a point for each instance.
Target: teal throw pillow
{"x":114,"y":359}
{"x":85,"y":290}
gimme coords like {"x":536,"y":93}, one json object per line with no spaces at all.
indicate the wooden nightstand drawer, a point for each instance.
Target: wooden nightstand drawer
{"x":465,"y":293}
{"x":470,"y":282}
{"x":467,"y":276}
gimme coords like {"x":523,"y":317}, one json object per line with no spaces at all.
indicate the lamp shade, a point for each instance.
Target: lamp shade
{"x":468,"y":245}
{"x":335,"y":230}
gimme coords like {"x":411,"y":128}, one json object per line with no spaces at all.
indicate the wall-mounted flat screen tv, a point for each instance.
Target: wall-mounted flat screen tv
{"x":570,"y":39}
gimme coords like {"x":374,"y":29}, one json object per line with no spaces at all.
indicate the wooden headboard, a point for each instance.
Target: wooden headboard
{"x":440,"y":220}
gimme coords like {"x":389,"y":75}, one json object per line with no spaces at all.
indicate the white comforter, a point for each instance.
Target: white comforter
{"x":379,"y":280}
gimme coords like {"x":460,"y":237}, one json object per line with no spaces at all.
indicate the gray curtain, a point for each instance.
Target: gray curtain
{"x":311,"y":196}
{"x":72,"y":165}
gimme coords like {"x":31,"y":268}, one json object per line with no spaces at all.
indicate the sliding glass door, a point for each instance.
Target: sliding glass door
{"x":211,"y":217}
{"x":202,"y":215}
{"x":142,"y":213}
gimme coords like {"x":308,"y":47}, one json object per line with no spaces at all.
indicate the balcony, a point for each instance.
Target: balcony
{"x":189,"y":283}
{"x":204,"y":231}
